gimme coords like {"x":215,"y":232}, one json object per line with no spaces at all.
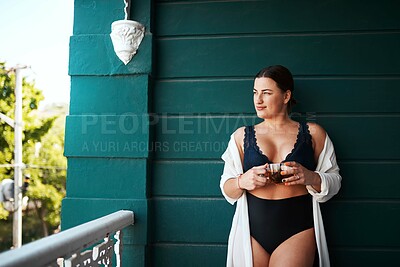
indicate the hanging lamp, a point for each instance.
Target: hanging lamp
{"x":126,"y":35}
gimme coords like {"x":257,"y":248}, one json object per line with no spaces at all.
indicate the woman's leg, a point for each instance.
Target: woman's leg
{"x":296,"y":251}
{"x":260,"y":256}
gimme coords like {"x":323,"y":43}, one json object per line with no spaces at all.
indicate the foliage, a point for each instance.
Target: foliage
{"x":49,"y":166}
{"x":43,"y":144}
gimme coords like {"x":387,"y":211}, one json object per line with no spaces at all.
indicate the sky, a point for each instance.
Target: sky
{"x":36,"y":33}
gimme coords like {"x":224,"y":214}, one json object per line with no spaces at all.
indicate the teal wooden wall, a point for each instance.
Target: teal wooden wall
{"x":345,"y":58}
{"x":108,"y":124}
{"x":189,"y":87}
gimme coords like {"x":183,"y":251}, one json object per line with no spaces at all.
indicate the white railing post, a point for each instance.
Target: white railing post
{"x":48,"y":251}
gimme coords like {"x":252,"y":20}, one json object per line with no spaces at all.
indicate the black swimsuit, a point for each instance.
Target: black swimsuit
{"x":274,"y":221}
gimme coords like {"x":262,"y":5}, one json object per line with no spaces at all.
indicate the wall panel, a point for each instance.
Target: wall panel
{"x":87,"y":177}
{"x":234,"y":95}
{"x":109,"y":95}
{"x":345,"y":60}
{"x":373,"y":137}
{"x":175,"y":18}
{"x":303,"y":54}
{"x":362,"y":180}
{"x":170,"y":255}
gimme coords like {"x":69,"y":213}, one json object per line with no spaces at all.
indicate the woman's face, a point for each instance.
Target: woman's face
{"x":269,"y":100}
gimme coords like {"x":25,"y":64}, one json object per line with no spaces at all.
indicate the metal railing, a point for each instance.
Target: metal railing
{"x":64,"y":248}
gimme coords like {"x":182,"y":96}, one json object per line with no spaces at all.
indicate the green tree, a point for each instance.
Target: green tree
{"x":48,"y":165}
{"x":43,"y":143}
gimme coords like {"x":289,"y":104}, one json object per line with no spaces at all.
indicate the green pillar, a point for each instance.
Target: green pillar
{"x":107,"y":130}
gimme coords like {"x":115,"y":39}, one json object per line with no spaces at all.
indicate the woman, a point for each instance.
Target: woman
{"x":278,"y":224}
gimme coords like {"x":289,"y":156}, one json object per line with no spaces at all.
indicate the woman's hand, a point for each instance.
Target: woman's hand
{"x":254,"y":178}
{"x":300,"y":175}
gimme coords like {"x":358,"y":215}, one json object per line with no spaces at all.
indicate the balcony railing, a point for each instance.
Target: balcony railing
{"x":65,"y":248}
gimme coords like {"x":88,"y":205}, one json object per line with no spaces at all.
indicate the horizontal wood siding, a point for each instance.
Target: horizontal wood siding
{"x":346,"y":63}
{"x":333,"y":93}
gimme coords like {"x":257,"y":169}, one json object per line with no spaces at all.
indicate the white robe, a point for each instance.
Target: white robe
{"x":239,"y":243}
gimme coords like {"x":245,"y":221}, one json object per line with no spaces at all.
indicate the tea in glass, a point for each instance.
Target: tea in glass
{"x":274,"y":172}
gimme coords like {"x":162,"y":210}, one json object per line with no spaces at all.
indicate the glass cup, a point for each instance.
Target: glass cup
{"x":274,"y":172}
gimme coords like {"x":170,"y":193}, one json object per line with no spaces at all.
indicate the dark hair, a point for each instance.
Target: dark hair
{"x":283,"y":78}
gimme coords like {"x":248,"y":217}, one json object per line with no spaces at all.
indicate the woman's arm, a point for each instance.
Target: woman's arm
{"x":318,"y":135}
{"x":232,"y":169}
{"x":301,"y":175}
{"x":233,"y":181}
{"x":250,"y":180}
{"x":324,"y":182}
{"x":327,"y":167}
{"x":232,"y":187}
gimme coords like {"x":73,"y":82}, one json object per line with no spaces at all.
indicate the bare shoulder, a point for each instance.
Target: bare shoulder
{"x":316,"y":131}
{"x":318,"y":135}
{"x":239,"y":140}
{"x":239,"y":136}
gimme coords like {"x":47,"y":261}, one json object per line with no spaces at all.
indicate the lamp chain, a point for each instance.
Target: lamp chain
{"x":126,"y":9}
